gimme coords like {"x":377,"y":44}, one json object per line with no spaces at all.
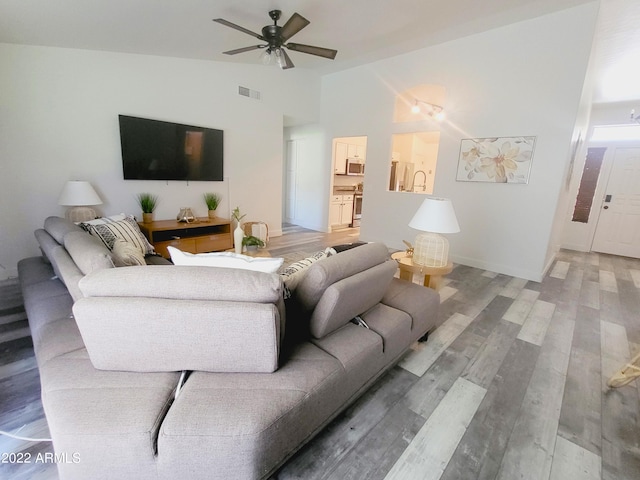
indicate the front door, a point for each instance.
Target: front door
{"x":618,"y":229}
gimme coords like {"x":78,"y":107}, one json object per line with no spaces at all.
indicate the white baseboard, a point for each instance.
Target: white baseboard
{"x":498,"y":268}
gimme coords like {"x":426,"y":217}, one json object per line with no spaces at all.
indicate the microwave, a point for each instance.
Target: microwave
{"x":355,"y":166}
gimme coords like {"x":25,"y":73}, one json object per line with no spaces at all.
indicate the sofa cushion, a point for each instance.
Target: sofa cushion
{"x":329,"y":270}
{"x":126,"y":254}
{"x":46,"y":243}
{"x":88,"y":252}
{"x":66,"y":270}
{"x":58,"y":227}
{"x":349,"y":297}
{"x":165,"y":335}
{"x":225,"y":260}
{"x":107,"y":229}
{"x":158,"y":318}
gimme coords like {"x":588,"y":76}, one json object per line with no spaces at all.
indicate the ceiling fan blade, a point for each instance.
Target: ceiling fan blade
{"x":319,"y":51}
{"x":295,"y":23}
{"x":222,"y":21}
{"x":245,"y":49}
{"x":287,"y":60}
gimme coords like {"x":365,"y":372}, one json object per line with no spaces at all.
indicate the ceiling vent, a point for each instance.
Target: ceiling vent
{"x":247,"y":92}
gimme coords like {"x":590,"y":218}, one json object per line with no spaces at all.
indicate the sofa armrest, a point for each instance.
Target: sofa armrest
{"x":421,"y":303}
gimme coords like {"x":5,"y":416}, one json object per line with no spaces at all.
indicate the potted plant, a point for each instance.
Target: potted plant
{"x":212,"y":200}
{"x":148,"y":203}
{"x":252,"y":243}
{"x":238,"y":233}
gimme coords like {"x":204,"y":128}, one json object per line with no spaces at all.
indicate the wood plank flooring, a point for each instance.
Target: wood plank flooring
{"x":512,"y":386}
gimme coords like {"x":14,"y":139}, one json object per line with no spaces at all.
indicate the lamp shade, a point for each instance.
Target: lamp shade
{"x":435,"y":215}
{"x":78,"y":193}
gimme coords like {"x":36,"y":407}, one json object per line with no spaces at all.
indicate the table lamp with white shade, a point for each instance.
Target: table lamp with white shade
{"x":435,"y":216}
{"x":80,"y":196}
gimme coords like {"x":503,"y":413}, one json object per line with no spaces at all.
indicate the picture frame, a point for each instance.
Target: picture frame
{"x":496,"y":160}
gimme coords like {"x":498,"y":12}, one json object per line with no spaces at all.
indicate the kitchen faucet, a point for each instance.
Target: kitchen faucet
{"x":424,"y":185}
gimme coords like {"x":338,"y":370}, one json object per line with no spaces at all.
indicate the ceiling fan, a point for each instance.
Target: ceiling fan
{"x":276,"y":37}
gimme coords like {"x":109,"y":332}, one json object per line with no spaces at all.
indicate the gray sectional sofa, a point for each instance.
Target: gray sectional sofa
{"x":263,"y":375}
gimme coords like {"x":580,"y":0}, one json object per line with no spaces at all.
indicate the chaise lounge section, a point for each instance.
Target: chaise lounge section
{"x":263,"y":375}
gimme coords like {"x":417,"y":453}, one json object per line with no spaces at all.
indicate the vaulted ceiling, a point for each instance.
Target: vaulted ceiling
{"x":361,"y":30}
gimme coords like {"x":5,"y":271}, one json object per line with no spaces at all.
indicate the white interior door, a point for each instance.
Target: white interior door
{"x":618,"y":229}
{"x":290,"y":181}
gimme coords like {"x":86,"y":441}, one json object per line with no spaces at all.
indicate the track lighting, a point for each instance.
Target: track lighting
{"x":435,"y":111}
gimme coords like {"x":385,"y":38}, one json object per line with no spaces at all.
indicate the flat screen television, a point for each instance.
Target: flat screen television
{"x":156,"y":150}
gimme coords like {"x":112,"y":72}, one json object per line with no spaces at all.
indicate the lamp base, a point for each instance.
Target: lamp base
{"x":80,"y":214}
{"x":431,"y":250}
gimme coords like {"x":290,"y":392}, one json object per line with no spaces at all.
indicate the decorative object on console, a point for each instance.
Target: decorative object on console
{"x":252,"y":243}
{"x":435,"y":216}
{"x":148,"y":203}
{"x":186,"y":215}
{"x":212,"y":200}
{"x":257,"y":229}
{"x":238,"y":233}
{"x":80,"y":196}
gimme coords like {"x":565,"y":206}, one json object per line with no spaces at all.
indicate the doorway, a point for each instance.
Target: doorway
{"x":618,"y":227}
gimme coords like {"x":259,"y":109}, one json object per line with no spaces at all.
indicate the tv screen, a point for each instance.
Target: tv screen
{"x":156,"y":150}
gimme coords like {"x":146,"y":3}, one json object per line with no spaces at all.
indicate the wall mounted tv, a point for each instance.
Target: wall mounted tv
{"x":156,"y":150}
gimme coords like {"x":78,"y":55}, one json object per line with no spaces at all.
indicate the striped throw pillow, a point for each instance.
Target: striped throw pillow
{"x":108,"y":229}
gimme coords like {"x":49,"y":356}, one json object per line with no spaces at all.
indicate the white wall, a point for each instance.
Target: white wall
{"x":59,"y":121}
{"x":523,"y":79}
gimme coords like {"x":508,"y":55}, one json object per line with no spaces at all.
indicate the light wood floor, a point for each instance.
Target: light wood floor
{"x":511,"y":386}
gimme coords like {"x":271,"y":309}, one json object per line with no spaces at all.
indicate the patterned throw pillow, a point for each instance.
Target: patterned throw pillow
{"x":126,"y":254}
{"x":108,"y":229}
{"x":294,"y":272}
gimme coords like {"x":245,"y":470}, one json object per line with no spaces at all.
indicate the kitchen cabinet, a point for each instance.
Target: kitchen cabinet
{"x":343,"y":151}
{"x":341,"y":210}
{"x":340,"y":158}
{"x":356,"y":151}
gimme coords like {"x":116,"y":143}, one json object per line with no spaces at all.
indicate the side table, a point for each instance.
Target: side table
{"x":432,"y":275}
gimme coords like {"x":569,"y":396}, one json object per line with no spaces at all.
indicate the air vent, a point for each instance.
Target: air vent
{"x":247,"y":92}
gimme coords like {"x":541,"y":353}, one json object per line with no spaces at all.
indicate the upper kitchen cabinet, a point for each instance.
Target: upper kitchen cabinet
{"x":345,"y":149}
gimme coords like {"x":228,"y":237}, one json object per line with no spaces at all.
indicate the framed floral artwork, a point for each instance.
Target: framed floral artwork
{"x":498,"y":160}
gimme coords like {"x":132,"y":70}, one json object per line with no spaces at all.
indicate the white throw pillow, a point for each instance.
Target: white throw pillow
{"x":225,"y":260}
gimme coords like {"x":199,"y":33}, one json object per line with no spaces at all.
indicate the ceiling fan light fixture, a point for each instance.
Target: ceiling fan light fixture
{"x":265,"y":57}
{"x":276,"y":37}
{"x":280,"y":58}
